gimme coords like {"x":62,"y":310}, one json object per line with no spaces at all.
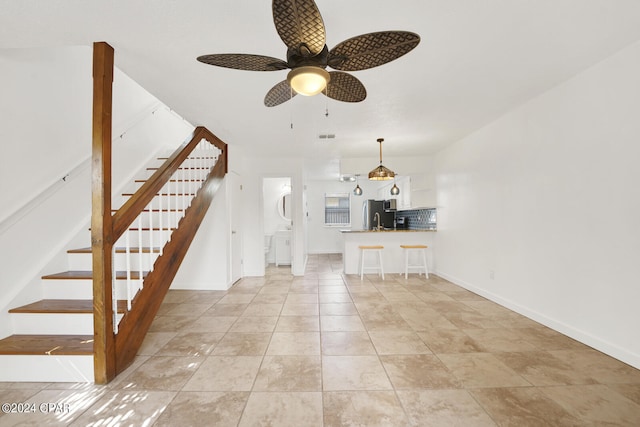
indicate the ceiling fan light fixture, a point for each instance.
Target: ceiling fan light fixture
{"x":300,"y":26}
{"x":308,"y":80}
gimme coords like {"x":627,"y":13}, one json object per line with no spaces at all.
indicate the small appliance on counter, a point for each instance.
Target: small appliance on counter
{"x":390,"y":205}
{"x":401,"y":223}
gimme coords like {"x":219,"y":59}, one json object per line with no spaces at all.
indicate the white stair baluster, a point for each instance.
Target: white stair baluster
{"x":184,"y":190}
{"x":114,"y":292}
{"x":170,"y":212}
{"x":140,"y":251}
{"x":190,"y":179}
{"x":175,"y":206}
{"x":127,"y":250}
{"x":150,"y":257}
{"x":160,"y":215}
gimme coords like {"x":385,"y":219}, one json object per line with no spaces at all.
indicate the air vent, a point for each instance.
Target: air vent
{"x":326,"y":136}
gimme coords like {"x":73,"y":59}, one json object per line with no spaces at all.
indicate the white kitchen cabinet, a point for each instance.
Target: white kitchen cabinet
{"x":422,"y":194}
{"x":404,"y":198}
{"x":282,"y":241}
{"x":383,"y":191}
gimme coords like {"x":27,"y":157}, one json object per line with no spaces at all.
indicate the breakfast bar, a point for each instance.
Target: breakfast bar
{"x":392,"y":254}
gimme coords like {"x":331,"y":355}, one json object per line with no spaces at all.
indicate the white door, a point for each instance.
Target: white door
{"x":235,"y":195}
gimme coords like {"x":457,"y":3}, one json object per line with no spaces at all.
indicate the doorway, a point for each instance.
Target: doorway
{"x":278,"y":221}
{"x":236,"y":226}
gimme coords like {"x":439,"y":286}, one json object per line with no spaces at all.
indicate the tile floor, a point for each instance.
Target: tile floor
{"x":328,"y":350}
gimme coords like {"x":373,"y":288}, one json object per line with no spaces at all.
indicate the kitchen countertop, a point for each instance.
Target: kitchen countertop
{"x":385,"y":231}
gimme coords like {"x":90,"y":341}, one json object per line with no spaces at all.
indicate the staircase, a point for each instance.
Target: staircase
{"x":53,"y":338}
{"x":93,"y":318}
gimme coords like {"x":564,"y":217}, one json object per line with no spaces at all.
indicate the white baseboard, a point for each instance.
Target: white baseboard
{"x":597,"y":343}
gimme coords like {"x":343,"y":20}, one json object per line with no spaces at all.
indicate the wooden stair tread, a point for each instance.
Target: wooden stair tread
{"x":164,"y":194}
{"x":187,"y":168}
{"x":153,"y":210}
{"x":154,"y":229}
{"x":87,"y":275}
{"x":174,"y":180}
{"x":192,"y":158}
{"x":47,"y":345}
{"x":76,"y":306}
{"x":145,"y":250}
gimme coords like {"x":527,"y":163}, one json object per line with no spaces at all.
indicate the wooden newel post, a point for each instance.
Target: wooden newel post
{"x":101,"y":218}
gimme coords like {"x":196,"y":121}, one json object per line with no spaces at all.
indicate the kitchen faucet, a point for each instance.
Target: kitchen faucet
{"x":377,"y":216}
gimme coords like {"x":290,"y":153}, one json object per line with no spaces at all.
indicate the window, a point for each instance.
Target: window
{"x":337,"y":209}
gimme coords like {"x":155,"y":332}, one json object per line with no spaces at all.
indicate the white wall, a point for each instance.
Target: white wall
{"x":323,"y":239}
{"x":45,"y":111}
{"x":547,"y":199}
{"x":45,"y":129}
{"x":206,"y":265}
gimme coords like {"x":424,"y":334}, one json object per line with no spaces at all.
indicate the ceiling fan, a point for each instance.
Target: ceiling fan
{"x":301,"y":28}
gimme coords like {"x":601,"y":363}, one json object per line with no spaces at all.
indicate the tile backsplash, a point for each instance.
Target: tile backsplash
{"x":420,"y":219}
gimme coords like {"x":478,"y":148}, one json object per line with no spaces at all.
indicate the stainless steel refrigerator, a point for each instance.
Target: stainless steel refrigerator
{"x":369,"y":209}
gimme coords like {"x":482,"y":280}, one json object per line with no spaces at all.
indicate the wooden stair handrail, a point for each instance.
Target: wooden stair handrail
{"x":123,"y":218}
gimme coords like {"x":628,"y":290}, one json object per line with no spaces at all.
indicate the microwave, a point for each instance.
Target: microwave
{"x":390,"y":205}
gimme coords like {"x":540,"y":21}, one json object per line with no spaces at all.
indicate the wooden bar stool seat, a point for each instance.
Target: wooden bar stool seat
{"x":420,"y":249}
{"x":371,"y":248}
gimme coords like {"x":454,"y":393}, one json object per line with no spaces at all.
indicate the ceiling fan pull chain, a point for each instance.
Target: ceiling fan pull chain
{"x":326,"y":108}
{"x":291,"y":106}
{"x":326,"y":116}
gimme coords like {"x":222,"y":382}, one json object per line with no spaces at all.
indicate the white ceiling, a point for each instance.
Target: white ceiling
{"x":477,"y":60}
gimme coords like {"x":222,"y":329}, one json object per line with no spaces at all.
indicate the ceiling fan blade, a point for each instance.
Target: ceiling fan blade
{"x":299,"y":25}
{"x":243,"y":61}
{"x":344,"y":87}
{"x":370,"y":50}
{"x":278,"y":94}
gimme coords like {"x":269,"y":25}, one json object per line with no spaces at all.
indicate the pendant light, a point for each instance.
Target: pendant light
{"x":381,"y":173}
{"x":395,"y":190}
{"x":357,"y":191}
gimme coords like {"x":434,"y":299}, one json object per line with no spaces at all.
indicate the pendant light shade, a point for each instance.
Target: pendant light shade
{"x":357,"y":191}
{"x":381,"y":173}
{"x":395,"y":190}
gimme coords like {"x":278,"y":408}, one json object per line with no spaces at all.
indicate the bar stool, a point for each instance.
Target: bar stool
{"x":374,"y":248}
{"x":415,"y":248}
